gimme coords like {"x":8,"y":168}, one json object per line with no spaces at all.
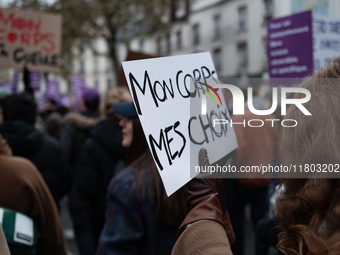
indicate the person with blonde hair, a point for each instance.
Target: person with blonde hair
{"x":102,"y":158}
{"x":115,"y":95}
{"x":310,"y":208}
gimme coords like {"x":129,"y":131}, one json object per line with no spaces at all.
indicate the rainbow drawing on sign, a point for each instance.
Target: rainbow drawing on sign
{"x":204,"y":98}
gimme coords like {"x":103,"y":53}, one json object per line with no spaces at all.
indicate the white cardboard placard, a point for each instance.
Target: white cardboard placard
{"x":326,"y":38}
{"x":30,"y":38}
{"x":167,"y":112}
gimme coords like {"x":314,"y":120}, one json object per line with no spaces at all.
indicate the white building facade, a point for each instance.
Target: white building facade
{"x":233,"y":31}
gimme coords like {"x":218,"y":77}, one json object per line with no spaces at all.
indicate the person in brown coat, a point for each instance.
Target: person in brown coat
{"x":3,"y":243}
{"x":22,"y":188}
{"x":203,"y":237}
{"x":206,"y":229}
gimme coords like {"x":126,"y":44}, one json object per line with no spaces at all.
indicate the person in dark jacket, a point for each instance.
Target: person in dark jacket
{"x":140,"y":218}
{"x":19,"y":113}
{"x":76,"y":129}
{"x":77,"y":126}
{"x":102,"y":158}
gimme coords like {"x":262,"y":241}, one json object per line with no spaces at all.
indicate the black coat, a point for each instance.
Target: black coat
{"x":102,"y":158}
{"x":43,"y":151}
{"x":77,"y":128}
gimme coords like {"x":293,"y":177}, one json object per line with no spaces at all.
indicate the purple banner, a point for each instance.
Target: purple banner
{"x":7,"y":87}
{"x":52,"y":90}
{"x":290,"y":46}
{"x":40,"y":103}
{"x":15,"y":81}
{"x":35,"y":78}
{"x":66,"y":101}
{"x":78,"y":88}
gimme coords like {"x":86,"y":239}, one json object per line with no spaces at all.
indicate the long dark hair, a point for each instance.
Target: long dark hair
{"x":310,"y":208}
{"x":170,"y":210}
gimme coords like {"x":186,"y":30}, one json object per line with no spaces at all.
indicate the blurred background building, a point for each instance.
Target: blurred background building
{"x":233,"y":31}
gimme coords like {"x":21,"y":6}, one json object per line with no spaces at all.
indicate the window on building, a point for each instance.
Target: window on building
{"x":179,"y":39}
{"x":168,"y":43}
{"x":105,"y":48}
{"x":242,"y":55}
{"x":81,"y":50}
{"x":196,"y":34}
{"x":141,"y":44}
{"x":96,"y":84}
{"x":96,"y":66}
{"x":109,"y":84}
{"x":217,"y":56}
{"x":82,"y":67}
{"x":109,"y":65}
{"x":242,"y":18}
{"x":217,"y":26}
{"x":69,"y":66}
{"x":178,"y":9}
{"x":95,"y":46}
{"x":268,"y":9}
{"x":182,"y":4}
{"x":158,"y":45}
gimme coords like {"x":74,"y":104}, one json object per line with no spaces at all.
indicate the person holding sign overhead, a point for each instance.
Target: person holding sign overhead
{"x":140,"y":218}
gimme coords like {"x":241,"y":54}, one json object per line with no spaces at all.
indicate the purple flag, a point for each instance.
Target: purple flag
{"x":52,"y":90}
{"x":35,"y":78}
{"x":290,"y":47}
{"x":243,"y":82}
{"x":15,"y":81}
{"x":7,"y":87}
{"x":78,"y":88}
{"x":40,"y":103}
{"x":66,"y":101}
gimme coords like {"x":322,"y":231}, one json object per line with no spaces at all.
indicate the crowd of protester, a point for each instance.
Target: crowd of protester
{"x":99,"y":158}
